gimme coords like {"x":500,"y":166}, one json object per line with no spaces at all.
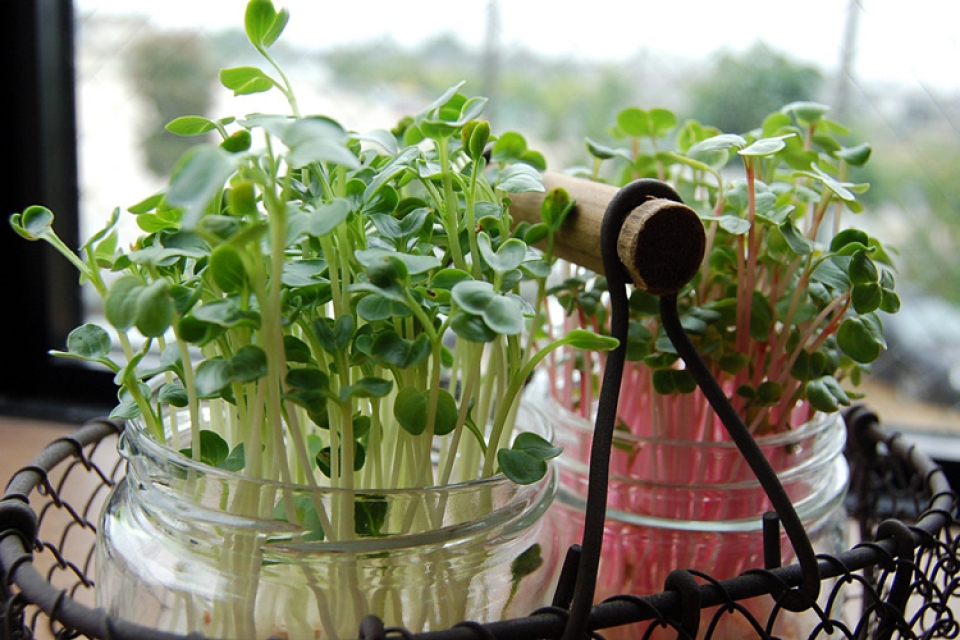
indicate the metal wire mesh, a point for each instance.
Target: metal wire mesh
{"x":903,"y":581}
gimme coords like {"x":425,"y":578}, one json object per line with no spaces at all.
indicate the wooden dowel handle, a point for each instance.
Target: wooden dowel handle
{"x":579,"y":238}
{"x":661,"y":243}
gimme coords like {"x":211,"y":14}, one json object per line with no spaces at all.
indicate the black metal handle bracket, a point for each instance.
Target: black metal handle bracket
{"x":670,"y":246}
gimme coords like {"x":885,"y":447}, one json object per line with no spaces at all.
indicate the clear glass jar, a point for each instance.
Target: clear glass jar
{"x":184,"y":547}
{"x":697,"y":505}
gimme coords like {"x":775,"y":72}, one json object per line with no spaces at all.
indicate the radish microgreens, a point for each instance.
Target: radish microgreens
{"x":352,"y":300}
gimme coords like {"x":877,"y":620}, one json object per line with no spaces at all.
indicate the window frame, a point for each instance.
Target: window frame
{"x":43,"y":296}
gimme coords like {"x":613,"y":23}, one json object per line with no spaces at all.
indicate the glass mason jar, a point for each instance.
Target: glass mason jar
{"x":696,"y":505}
{"x":184,"y":547}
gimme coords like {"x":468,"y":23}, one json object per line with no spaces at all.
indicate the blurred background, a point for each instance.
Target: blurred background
{"x":560,"y":75}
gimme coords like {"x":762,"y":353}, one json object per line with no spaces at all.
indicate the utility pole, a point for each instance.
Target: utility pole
{"x":848,"y":53}
{"x":491,"y":57}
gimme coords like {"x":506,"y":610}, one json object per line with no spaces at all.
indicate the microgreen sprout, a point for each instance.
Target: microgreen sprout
{"x":360,"y":291}
{"x":786,"y":306}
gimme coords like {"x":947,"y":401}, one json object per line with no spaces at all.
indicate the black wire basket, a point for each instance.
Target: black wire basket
{"x":901,"y":580}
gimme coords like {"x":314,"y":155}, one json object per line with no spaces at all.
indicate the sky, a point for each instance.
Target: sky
{"x":919,"y":45}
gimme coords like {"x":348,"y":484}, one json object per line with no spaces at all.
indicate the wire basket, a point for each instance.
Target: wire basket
{"x":903,"y":582}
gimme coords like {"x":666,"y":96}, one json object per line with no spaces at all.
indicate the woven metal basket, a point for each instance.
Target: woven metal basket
{"x":902,"y":580}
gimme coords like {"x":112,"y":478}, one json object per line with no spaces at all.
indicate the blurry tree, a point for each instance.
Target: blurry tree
{"x":932,"y":192}
{"x":553,"y":100}
{"x":173,"y":73}
{"x":739,"y":90}
{"x":431,"y":68}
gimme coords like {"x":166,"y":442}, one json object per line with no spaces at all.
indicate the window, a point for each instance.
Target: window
{"x":902,"y":99}
{"x":41,"y":295}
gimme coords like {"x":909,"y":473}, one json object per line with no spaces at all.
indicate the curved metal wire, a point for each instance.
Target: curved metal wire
{"x":907,"y":575}
{"x":893,"y":482}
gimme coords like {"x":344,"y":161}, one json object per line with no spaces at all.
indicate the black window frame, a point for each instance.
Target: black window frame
{"x":42,"y":296}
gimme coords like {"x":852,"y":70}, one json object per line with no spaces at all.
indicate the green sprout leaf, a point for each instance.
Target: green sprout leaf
{"x":734,"y":225}
{"x":190,"y":125}
{"x":663,"y":121}
{"x":236,"y":461}
{"x":866,"y":297}
{"x":825,"y":394}
{"x":589,"y":341}
{"x":890,"y":302}
{"x":237,"y":142}
{"x":214,"y":450}
{"x":226,"y":313}
{"x":722,"y":142}
{"x":296,"y":350}
{"x":414,"y":264}
{"x":509,"y":147}
{"x":862,"y":270}
{"x":120,"y":305}
{"x":397,"y":351}
{"x":557,"y":205}
{"x":34,"y":223}
{"x":411,"y":408}
{"x":174,"y":394}
{"x":369,"y":387}
{"x":500,"y":314}
{"x":520,"y":178}
{"x":369,"y":514}
{"x":446,"y":419}
{"x":604,"y":152}
{"x":849,"y":237}
{"x":856,"y":156}
{"x":800,"y":244}
{"x":504,"y":315}
{"x":506,"y":258}
{"x":375,"y":307}
{"x":199,"y":176}
{"x":248,"y":364}
{"x":840,"y":189}
{"x":263,"y":24}
{"x":525,"y":461}
{"x":327,"y":217}
{"x":318,"y":140}
{"x":861,"y":338}
{"x":212,"y":376}
{"x":526,"y":563}
{"x":806,"y":112}
{"x":765,"y":146}
{"x":471,"y":327}
{"x":521,"y":467}
{"x":635,"y":122}
{"x":127,"y":408}
{"x":89,"y":341}
{"x":309,"y":387}
{"x":246,"y":80}
{"x":473,"y":296}
{"x":226,"y":267}
{"x":536,"y":446}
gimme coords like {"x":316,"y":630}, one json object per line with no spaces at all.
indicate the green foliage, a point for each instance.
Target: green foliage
{"x":931,"y":192}
{"x":526,"y":461}
{"x":570,"y":100}
{"x":173,"y":74}
{"x":784,"y":309}
{"x":739,"y":90}
{"x":335,"y":297}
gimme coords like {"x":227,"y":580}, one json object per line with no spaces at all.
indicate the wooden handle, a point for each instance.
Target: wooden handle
{"x":579,"y":238}
{"x":661,"y":243}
